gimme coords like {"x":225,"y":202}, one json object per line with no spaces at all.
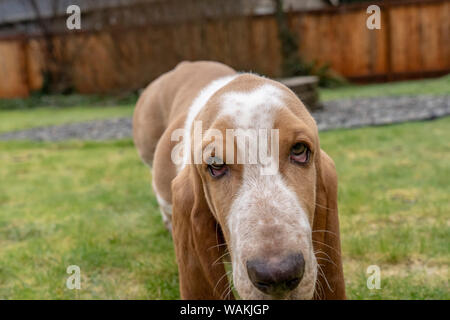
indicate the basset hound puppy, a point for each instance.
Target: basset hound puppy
{"x":237,"y":228}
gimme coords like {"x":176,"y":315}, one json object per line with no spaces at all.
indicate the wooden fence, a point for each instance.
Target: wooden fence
{"x":414,"y":41}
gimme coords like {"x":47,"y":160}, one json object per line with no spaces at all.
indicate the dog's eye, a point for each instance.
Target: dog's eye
{"x":216,"y":167}
{"x":300,"y":153}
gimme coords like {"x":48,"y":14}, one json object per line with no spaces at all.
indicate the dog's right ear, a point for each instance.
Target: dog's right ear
{"x":201,"y":272}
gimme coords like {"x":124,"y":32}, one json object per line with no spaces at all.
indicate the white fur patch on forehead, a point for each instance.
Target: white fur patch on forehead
{"x":197,"y":105}
{"x":253,"y":109}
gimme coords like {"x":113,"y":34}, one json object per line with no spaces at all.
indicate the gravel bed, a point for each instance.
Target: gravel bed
{"x":98,"y":130}
{"x":335,"y":114}
{"x":362,"y":112}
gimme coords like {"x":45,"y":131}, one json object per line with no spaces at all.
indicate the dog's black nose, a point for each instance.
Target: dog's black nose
{"x":277,"y":276}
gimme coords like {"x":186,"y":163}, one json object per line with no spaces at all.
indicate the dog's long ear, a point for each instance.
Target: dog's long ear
{"x":326,"y":237}
{"x":201,"y":271}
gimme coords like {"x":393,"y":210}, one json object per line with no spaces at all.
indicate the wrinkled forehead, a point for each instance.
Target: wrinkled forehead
{"x":254,"y":102}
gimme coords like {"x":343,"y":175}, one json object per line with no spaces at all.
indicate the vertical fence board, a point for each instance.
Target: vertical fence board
{"x":430,"y":35}
{"x":13,"y":69}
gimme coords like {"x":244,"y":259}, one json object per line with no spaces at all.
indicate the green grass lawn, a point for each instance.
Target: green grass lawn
{"x":437,"y":86}
{"x":19,"y":119}
{"x":45,"y":110}
{"x":90,"y":204}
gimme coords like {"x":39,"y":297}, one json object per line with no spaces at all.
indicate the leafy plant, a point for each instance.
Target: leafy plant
{"x":292,"y":64}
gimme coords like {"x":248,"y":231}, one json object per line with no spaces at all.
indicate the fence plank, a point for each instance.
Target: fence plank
{"x":13,"y":69}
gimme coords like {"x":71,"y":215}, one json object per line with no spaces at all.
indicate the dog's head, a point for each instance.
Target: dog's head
{"x":253,"y":192}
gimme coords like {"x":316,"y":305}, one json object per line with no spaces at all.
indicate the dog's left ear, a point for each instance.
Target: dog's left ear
{"x":198,"y":246}
{"x":326,"y":237}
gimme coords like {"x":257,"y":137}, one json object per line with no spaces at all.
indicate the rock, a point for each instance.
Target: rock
{"x":306,"y":89}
